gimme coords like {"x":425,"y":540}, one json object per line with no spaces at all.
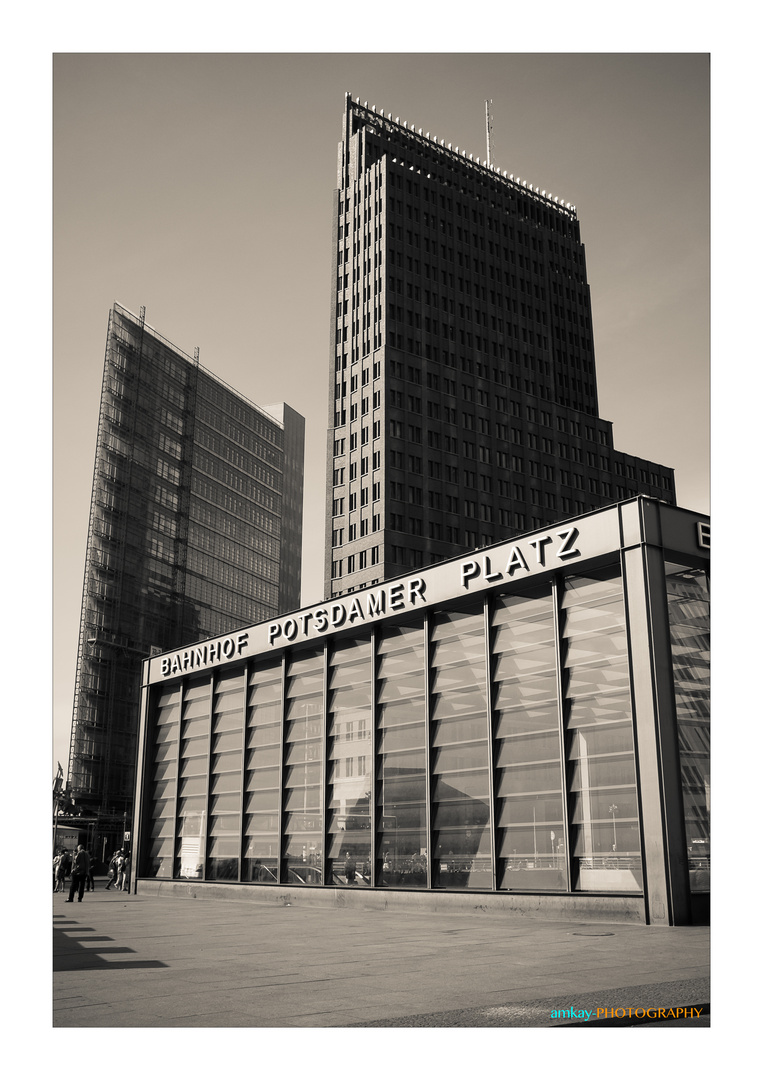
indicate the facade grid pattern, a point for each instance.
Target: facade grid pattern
{"x":191,"y":485}
{"x":463,"y":403}
{"x":485,"y":743}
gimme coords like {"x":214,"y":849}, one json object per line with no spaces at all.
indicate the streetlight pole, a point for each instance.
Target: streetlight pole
{"x":614,"y":826}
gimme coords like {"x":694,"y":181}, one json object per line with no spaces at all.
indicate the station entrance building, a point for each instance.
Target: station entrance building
{"x":525,"y":726}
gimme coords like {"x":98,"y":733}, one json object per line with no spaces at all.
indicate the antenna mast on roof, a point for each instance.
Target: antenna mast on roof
{"x":489,"y":130}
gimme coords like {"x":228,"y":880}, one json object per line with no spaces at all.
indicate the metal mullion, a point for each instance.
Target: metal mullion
{"x":557,"y":592}
{"x":139,"y":817}
{"x":282,"y":769}
{"x":209,"y":770}
{"x":324,"y":771}
{"x":373,"y":823}
{"x":428,"y":745}
{"x":177,"y":778}
{"x":486,"y":610}
{"x":242,"y":801}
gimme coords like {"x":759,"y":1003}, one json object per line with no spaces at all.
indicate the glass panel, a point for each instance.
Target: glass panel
{"x":350,"y":751}
{"x":689,"y":617}
{"x":401,"y":851}
{"x":191,"y":825}
{"x":461,"y":857}
{"x":263,"y":775}
{"x":302,"y":788}
{"x":528,"y":756}
{"x":224,"y":845}
{"x":604,"y":831}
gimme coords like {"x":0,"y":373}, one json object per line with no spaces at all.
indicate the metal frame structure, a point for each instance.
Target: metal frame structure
{"x":646,"y":534}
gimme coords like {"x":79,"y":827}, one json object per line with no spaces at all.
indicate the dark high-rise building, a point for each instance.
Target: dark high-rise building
{"x":463,"y":401}
{"x":195,"y":529}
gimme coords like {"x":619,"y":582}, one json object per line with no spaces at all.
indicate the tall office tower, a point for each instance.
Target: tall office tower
{"x":463,"y":402}
{"x":195,"y":529}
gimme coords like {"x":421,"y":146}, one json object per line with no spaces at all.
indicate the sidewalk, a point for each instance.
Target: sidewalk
{"x":122,"y":960}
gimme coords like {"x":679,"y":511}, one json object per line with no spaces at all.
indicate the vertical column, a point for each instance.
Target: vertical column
{"x":282,"y":769}
{"x":431,"y":853}
{"x":323,"y":798}
{"x":242,"y":800}
{"x":666,"y":879}
{"x":175,"y":818}
{"x":557,"y":587}
{"x":374,"y":764}
{"x":490,"y":741}
{"x":208,"y":800}
{"x":140,"y":779}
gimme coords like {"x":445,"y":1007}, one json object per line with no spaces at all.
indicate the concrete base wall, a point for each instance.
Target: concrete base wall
{"x":579,"y":908}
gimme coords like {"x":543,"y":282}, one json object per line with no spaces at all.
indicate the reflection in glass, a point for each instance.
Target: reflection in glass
{"x":604,"y":828}
{"x":528,"y":767}
{"x":224,"y":843}
{"x":461,"y":857}
{"x":263,"y":774}
{"x":401,"y":777}
{"x":689,"y":618}
{"x":303,"y":790}
{"x":350,"y":752}
{"x":162,"y":784}
{"x":194,"y":760}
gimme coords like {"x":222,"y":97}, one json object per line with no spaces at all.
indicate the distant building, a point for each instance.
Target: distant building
{"x":195,"y":529}
{"x":463,"y":398}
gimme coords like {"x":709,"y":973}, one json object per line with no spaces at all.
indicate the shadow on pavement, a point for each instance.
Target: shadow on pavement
{"x":72,"y":953}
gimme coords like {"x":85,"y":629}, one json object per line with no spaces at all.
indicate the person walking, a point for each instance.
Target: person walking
{"x":62,"y":870}
{"x":90,"y":883}
{"x":350,"y":869}
{"x":80,"y":870}
{"x":59,"y":874}
{"x":120,"y":865}
{"x":113,"y":869}
{"x":126,"y":873}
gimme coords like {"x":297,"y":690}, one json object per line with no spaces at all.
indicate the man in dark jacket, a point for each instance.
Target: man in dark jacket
{"x":80,"y":871}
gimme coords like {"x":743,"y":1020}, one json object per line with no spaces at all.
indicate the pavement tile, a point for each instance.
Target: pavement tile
{"x":154,"y":962}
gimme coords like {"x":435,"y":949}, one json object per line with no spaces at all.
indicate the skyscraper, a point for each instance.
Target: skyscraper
{"x":463,"y":399}
{"x":195,"y":529}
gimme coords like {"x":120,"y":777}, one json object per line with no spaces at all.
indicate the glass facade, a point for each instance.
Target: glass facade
{"x":513,"y":766}
{"x":500,"y":742}
{"x":401,"y":791}
{"x":605,"y":847}
{"x":194,"y":491}
{"x":530,"y":798}
{"x":689,"y":616}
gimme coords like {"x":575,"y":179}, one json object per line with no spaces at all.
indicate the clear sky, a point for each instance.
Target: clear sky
{"x":201,"y":187}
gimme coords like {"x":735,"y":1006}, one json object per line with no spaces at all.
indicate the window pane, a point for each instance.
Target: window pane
{"x":263,"y":775}
{"x":461,"y":857}
{"x":350,"y":750}
{"x":528,"y":765}
{"x":302,"y":862}
{"x":191,"y":826}
{"x":604,"y":832}
{"x":401,"y":778}
{"x":689,"y":617}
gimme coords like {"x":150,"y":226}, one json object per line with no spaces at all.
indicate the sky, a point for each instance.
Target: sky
{"x":200,"y":186}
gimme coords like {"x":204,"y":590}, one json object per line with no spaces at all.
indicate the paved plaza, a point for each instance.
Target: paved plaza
{"x":129,"y":961}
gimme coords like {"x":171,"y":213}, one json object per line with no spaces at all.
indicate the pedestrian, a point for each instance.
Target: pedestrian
{"x":80,"y":870}
{"x":125,"y":874}
{"x":58,"y":872}
{"x":120,"y":863}
{"x":112,"y":873}
{"x":90,"y":883}
{"x":62,"y":869}
{"x":349,"y":869}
